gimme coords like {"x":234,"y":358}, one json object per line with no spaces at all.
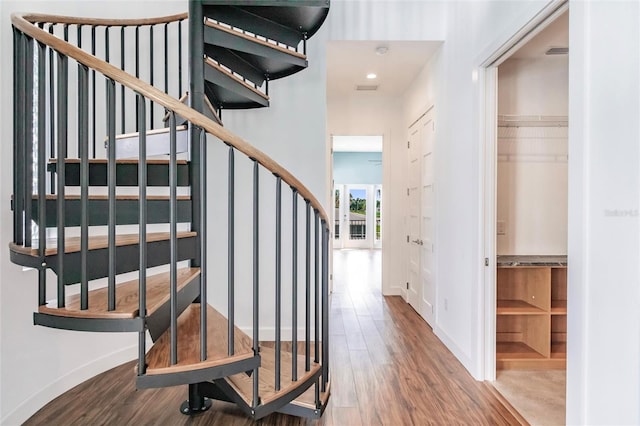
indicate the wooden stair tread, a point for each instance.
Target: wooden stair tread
{"x":308,"y":399}
{"x":158,"y":357}
{"x":127,"y":304}
{"x":243,"y":384}
{"x":118,"y":161}
{"x":72,"y":244}
{"x":211,"y":63}
{"x":256,"y":40}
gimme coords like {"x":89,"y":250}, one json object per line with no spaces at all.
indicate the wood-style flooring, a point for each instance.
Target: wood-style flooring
{"x":387,"y":368}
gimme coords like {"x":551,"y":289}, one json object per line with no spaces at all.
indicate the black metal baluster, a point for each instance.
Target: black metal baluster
{"x":256,"y":279}
{"x":122,"y":100}
{"x":307,"y":286}
{"x":138,"y":75}
{"x":107,"y":49}
{"x":316,"y":288}
{"x":203,"y":245}
{"x":42,"y":173}
{"x":18,"y":135}
{"x":52,"y":109}
{"x":166,"y":59}
{"x":325,"y":305}
{"x":173,"y":235}
{"x":79,"y":43}
{"x":93,"y":93}
{"x":27,"y":160}
{"x":151,"y":103}
{"x":142,"y":194}
{"x":62,"y":94}
{"x":278,"y":279}
{"x":294,"y":286}
{"x":180,"y":58}
{"x":111,"y":179}
{"x":231,"y":267}
{"x":83,"y":146}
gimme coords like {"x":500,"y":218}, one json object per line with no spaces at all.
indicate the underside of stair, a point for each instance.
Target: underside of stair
{"x":284,"y":21}
{"x":228,"y":91}
{"x":250,"y":56}
{"x":190,"y":368}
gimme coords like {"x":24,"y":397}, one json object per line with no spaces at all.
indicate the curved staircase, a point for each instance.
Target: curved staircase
{"x":110,"y":199}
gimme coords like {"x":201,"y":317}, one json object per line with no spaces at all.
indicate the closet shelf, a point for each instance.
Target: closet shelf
{"x":533,"y":120}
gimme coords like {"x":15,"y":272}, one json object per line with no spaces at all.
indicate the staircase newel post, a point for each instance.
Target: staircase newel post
{"x":196,"y":96}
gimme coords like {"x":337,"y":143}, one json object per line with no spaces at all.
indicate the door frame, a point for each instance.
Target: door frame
{"x":488,"y":117}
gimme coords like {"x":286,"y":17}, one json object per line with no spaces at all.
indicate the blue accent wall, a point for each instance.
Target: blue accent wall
{"x":357,"y":167}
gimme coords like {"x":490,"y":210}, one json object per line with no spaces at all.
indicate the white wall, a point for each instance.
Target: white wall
{"x":39,"y":363}
{"x":603,"y":372}
{"x":532,"y":161}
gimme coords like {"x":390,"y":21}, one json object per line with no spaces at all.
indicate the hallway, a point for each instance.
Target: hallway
{"x":387,"y":368}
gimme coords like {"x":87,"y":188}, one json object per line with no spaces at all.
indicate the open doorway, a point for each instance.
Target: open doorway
{"x":526,"y":219}
{"x":357,"y":179}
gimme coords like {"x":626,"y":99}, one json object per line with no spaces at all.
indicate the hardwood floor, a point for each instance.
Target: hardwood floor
{"x":388,"y":368}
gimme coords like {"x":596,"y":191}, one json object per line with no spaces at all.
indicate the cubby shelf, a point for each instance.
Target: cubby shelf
{"x":531,"y":308}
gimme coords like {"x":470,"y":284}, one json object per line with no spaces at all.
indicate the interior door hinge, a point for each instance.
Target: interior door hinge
{"x":408,"y":144}
{"x":407,"y":286}
{"x":407,"y":238}
{"x":407,"y":191}
{"x":486,"y":261}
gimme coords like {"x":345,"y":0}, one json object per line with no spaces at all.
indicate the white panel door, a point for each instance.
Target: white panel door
{"x":414,"y":285}
{"x":427,"y":219}
{"x":357,"y":216}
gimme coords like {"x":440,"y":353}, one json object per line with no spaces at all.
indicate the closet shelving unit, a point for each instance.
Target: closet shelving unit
{"x":531,"y":323}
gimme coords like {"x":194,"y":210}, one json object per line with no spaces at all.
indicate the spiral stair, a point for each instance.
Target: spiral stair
{"x":110,"y":198}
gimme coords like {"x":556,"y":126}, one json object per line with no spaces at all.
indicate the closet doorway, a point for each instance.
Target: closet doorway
{"x":526,"y":221}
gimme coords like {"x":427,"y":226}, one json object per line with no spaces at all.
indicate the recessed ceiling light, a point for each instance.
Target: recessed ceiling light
{"x":371,"y":76}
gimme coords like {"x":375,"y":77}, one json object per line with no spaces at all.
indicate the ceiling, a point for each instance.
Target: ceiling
{"x":349,"y":62}
{"x":554,"y":35}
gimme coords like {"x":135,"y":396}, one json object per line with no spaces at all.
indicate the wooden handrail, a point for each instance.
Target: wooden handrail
{"x":103,"y":22}
{"x":24,"y":22}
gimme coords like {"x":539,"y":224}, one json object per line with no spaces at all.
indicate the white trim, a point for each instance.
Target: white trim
{"x":62,"y":384}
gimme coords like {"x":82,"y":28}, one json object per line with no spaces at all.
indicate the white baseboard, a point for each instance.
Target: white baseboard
{"x":455,"y":349}
{"x":73,"y":378}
